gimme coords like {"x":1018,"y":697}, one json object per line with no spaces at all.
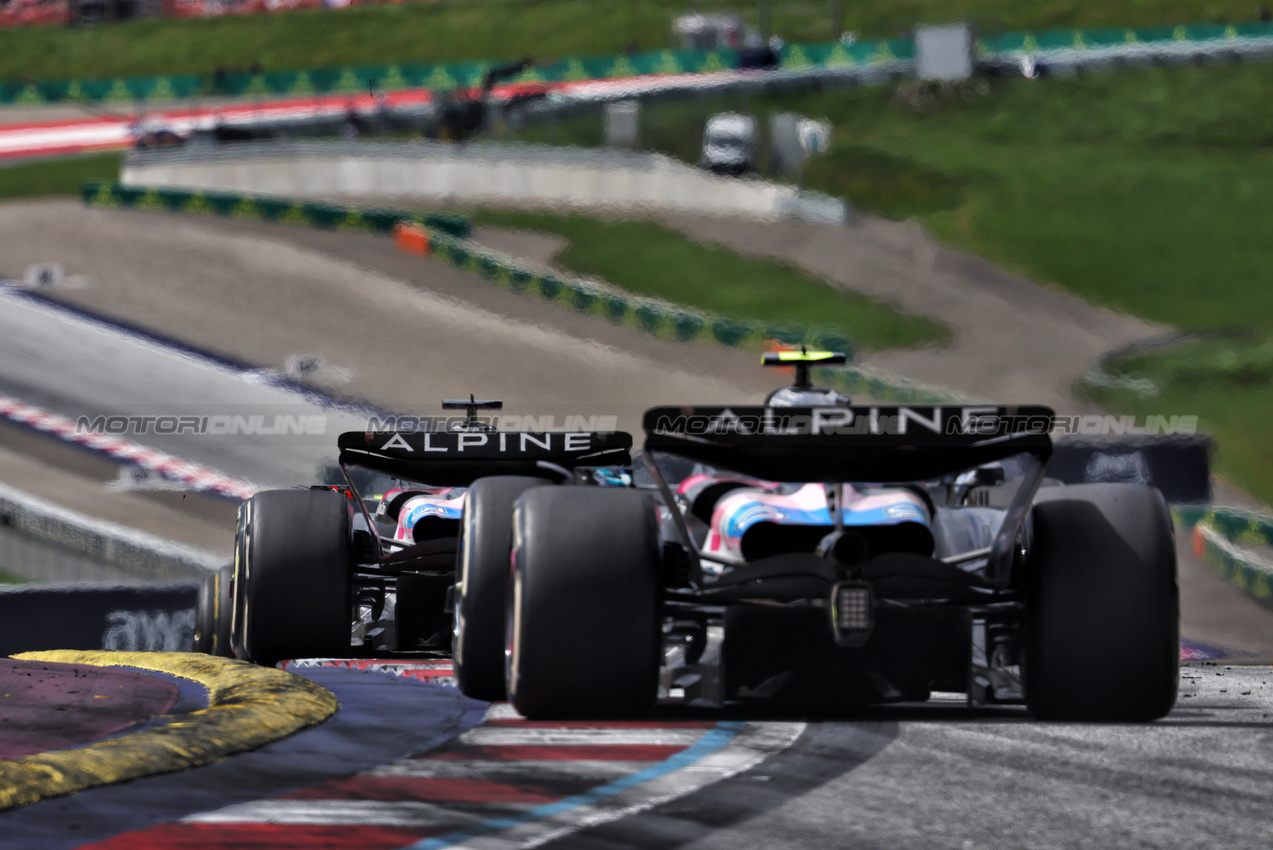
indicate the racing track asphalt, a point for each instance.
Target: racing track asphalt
{"x":75,"y":478}
{"x":946,"y":777}
{"x":69,"y":364}
{"x":405,"y":332}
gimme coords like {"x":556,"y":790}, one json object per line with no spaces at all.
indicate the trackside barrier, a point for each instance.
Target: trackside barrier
{"x":658,"y":318}
{"x":133,"y":618}
{"x":479,"y":173}
{"x":1235,"y":543}
{"x":1179,"y":465}
{"x":442,"y":77}
{"x":446,"y":241}
{"x":1255,"y":38}
{"x":258,"y":208}
{"x":1057,"y":42}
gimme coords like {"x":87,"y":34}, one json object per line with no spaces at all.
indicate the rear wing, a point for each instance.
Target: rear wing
{"x":866,"y":443}
{"x":857,"y":443}
{"x":458,"y":458}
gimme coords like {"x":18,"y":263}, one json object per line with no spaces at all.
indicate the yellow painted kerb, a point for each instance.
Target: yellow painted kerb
{"x":248,"y":707}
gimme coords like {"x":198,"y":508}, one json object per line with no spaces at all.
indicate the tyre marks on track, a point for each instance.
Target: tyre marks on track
{"x":508,"y":782}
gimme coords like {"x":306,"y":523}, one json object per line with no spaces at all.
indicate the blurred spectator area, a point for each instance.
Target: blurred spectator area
{"x":19,"y":13}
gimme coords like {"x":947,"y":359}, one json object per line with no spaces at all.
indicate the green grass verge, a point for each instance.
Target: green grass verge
{"x":61,"y":176}
{"x":458,"y":30}
{"x":648,"y":259}
{"x":1146,"y":191}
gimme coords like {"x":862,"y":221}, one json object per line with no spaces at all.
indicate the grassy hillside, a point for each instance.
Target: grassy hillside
{"x":648,"y":259}
{"x":1147,"y":191}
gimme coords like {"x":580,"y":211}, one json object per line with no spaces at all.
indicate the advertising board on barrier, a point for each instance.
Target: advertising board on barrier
{"x":436,"y":77}
{"x":142,"y":618}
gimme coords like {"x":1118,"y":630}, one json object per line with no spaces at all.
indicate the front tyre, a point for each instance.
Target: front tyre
{"x":583,"y":626}
{"x":293,"y":576}
{"x":1102,"y":605}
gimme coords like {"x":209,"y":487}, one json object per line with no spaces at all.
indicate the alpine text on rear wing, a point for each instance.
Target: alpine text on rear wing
{"x":459,"y":457}
{"x":849,"y":443}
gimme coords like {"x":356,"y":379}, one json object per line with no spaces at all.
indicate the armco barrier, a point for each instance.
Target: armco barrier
{"x":1235,"y":543}
{"x":258,"y":208}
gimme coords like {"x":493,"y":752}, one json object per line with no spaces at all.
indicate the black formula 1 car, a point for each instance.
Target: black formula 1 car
{"x":929,"y":553}
{"x":370,"y":565}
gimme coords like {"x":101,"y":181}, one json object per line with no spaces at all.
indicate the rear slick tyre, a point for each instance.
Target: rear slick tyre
{"x":486,"y":539}
{"x":293,"y":581}
{"x":583,"y":626}
{"x":1102,"y":605}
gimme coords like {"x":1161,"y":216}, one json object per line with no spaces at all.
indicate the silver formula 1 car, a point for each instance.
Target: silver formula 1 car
{"x":825,"y":555}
